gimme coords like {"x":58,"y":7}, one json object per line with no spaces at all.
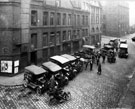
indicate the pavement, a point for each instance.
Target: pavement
{"x":11,"y":81}
{"x":128,"y":100}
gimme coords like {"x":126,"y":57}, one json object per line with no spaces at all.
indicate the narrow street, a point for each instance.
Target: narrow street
{"x":88,"y":90}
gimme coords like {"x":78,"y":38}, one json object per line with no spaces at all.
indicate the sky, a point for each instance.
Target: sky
{"x":131,"y":10}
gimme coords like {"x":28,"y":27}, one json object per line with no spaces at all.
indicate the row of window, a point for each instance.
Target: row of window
{"x":52,"y":37}
{"x":60,"y":19}
{"x":95,"y":19}
{"x":95,"y":30}
{"x":91,"y":9}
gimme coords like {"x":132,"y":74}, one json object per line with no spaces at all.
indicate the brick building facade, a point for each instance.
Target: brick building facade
{"x":34,"y":30}
{"x":115,"y":18}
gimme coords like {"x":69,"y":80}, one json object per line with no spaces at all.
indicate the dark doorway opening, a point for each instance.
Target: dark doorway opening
{"x":23,"y":60}
{"x":33,"y":57}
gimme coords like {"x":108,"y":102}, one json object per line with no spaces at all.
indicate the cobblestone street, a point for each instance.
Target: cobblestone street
{"x":88,"y":90}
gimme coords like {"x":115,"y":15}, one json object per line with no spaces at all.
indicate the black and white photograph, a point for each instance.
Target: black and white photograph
{"x":67,"y":54}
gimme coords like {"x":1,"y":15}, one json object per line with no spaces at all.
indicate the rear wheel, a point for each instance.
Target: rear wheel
{"x":26,"y":83}
{"x":68,"y":96}
{"x":39,"y":90}
{"x":52,"y":101}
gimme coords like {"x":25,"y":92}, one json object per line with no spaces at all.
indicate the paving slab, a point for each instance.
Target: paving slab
{"x":15,"y":80}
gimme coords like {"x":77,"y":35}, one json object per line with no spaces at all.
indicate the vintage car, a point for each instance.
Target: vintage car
{"x":123,"y":51}
{"x":79,"y":54}
{"x":106,"y":48}
{"x":65,"y":64}
{"x":123,"y":41}
{"x":35,"y":78}
{"x":114,"y":43}
{"x":56,"y":70}
{"x":76,"y":63}
{"x":89,"y":49}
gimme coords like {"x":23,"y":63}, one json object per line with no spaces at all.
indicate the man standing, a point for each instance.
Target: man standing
{"x":91,"y":64}
{"x":103,"y":56}
{"x":99,"y":69}
{"x":86,"y":62}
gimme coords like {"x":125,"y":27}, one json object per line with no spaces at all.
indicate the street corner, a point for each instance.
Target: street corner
{"x":11,"y":81}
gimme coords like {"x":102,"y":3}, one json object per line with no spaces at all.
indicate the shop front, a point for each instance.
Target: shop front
{"x":9,"y":67}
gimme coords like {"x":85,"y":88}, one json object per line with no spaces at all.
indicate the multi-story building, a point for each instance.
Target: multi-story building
{"x":34,"y":30}
{"x":115,"y":18}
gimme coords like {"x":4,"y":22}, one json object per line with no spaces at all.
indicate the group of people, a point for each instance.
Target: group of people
{"x":90,"y":59}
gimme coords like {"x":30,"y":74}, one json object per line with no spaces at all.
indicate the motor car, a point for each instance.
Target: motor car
{"x":74,"y":61}
{"x":133,"y":38}
{"x":65,"y":64}
{"x":123,"y":51}
{"x":123,"y":41}
{"x":114,"y":42}
{"x":56,"y":70}
{"x":35,"y":79}
{"x":89,"y":49}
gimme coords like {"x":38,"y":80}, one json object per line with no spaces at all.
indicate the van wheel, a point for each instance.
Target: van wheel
{"x":25,"y":83}
{"x":38,"y":91}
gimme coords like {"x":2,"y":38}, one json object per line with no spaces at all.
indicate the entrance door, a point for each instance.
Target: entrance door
{"x":33,"y":57}
{"x":23,"y":60}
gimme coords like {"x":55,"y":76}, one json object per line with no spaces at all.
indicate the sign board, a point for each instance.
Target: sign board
{"x":16,"y":66}
{"x":16,"y":63}
{"x":16,"y":70}
{"x":6,"y":66}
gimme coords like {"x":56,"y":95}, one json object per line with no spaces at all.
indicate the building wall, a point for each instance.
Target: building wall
{"x":29,"y":41}
{"x":116,"y":20}
{"x":95,"y":10}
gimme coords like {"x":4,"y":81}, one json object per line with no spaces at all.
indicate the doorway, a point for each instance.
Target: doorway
{"x":33,"y":57}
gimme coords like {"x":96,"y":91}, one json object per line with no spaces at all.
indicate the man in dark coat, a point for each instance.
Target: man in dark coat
{"x":91,"y":64}
{"x":103,"y":56}
{"x":99,"y":69}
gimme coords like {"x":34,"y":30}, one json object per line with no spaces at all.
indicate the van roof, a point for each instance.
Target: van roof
{"x":35,"y":69}
{"x":123,"y":46}
{"x":70,"y":57}
{"x":60,"y":59}
{"x":89,"y":46}
{"x":52,"y":66}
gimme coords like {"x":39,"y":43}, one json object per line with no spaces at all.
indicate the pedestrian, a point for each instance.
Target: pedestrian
{"x":91,"y":64}
{"x":99,"y":69}
{"x":93,"y":58}
{"x":98,"y":60}
{"x":86,"y":62}
{"x":103,"y":56}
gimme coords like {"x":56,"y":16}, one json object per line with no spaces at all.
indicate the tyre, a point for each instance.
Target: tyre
{"x":52,"y":101}
{"x":26,"y":83}
{"x":66,"y":81}
{"x":39,"y":90}
{"x":67,"y":96}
